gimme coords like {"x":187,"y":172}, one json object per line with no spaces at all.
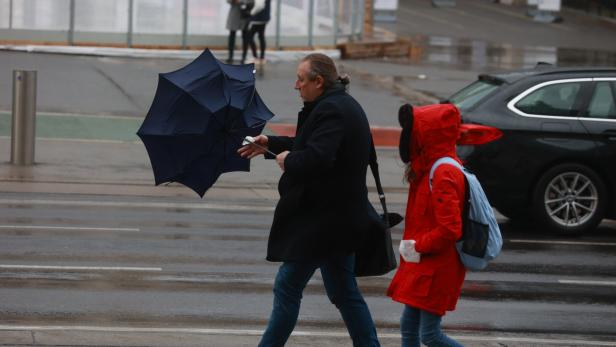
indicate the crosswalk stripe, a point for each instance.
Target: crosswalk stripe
{"x":79,"y":268}
{"x":583,"y":282}
{"x":557,"y":242}
{"x":85,"y":203}
{"x":50,"y":227}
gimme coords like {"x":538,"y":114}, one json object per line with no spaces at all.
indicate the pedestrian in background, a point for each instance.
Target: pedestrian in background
{"x":259,"y":17}
{"x":235,"y":21}
{"x":429,"y":279}
{"x":322,"y":216}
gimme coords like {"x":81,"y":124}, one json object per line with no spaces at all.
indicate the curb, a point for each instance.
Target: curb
{"x":273,"y":55}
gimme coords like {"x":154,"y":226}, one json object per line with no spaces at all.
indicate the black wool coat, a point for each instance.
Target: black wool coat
{"x":323,"y":206}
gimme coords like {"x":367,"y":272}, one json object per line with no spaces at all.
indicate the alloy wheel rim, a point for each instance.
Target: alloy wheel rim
{"x":571,"y":199}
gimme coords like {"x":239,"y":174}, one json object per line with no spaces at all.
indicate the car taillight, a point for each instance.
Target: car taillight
{"x":474,"y":134}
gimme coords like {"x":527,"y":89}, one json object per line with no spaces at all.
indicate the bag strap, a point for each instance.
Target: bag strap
{"x":467,"y":196}
{"x":374,"y":167}
{"x":443,"y":160}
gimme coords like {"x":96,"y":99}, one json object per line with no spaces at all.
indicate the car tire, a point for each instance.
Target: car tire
{"x":569,"y":199}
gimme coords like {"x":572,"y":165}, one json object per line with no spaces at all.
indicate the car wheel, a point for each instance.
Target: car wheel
{"x":569,"y":199}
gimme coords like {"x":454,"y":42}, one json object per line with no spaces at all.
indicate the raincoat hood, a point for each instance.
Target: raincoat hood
{"x":434,"y":134}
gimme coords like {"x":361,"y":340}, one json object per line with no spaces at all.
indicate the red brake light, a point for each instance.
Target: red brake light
{"x":474,"y":134}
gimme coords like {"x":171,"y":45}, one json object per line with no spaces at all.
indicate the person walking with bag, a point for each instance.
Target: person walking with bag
{"x":322,"y":216}
{"x":260,"y":15}
{"x":429,"y":279}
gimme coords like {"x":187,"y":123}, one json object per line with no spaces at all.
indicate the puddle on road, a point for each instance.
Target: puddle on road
{"x":474,"y":54}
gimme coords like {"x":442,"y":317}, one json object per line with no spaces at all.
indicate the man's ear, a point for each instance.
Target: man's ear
{"x":319,"y":81}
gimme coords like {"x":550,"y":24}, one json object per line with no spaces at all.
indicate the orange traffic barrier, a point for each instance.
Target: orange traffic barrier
{"x":383,"y":136}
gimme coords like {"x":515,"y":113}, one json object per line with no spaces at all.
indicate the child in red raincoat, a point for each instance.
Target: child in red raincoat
{"x":430,"y":285}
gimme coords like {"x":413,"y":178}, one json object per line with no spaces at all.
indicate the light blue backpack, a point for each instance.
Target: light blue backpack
{"x":481,"y":237}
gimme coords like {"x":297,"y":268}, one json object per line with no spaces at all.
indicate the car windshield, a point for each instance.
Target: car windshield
{"x":468,"y":97}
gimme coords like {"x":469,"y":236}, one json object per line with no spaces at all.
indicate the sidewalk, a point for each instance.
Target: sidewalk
{"x":98,"y":153}
{"x":185,"y":337}
{"x":78,"y":154}
{"x":273,"y":56}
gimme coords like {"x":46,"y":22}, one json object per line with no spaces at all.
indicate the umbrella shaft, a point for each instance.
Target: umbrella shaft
{"x":263,"y":148}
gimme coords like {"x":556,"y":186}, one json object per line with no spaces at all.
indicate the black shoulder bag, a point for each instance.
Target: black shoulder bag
{"x":377,"y":256}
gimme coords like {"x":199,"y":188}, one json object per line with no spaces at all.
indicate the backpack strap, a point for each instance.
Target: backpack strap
{"x":444,"y":160}
{"x":467,"y":196}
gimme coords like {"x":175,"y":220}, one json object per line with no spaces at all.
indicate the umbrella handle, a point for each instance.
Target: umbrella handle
{"x":252,"y":142}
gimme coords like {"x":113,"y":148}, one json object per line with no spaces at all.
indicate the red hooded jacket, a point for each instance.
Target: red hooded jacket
{"x":433,"y":219}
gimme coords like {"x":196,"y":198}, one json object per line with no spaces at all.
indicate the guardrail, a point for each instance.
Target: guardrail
{"x":174,"y":23}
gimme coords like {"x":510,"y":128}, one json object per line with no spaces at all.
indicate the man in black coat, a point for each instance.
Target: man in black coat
{"x":322,"y":218}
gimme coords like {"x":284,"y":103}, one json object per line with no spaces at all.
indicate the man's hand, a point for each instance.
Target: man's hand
{"x":280,"y":159}
{"x":250,"y":151}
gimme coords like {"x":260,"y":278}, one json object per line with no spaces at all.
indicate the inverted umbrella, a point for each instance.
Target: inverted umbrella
{"x":200,"y":115}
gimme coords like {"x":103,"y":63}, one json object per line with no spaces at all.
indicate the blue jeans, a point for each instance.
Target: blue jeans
{"x":339,"y":280}
{"x":415,"y":321}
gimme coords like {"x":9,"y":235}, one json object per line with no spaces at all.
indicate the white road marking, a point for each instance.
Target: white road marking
{"x":535,"y":341}
{"x":37,"y":227}
{"x":68,"y":139}
{"x":203,"y":206}
{"x":555,"y":242}
{"x":65,"y":139}
{"x":584,"y":282}
{"x":247,"y":332}
{"x":79,"y":268}
{"x":79,"y":115}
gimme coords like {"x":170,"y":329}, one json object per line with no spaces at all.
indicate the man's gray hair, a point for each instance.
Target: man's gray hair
{"x":324,"y":66}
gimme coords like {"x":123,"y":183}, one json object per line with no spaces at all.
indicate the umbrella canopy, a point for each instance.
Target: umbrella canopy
{"x":199,"y":117}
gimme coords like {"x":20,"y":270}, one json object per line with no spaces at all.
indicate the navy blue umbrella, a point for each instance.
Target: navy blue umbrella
{"x":200,"y":115}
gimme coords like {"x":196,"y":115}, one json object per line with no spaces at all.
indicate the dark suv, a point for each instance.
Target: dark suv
{"x":543,"y":143}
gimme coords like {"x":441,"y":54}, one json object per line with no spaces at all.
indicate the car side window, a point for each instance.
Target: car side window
{"x":553,"y":100}
{"x":468,"y":97}
{"x":603,"y":102}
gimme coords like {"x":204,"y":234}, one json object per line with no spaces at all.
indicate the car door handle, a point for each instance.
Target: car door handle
{"x":610,"y":134}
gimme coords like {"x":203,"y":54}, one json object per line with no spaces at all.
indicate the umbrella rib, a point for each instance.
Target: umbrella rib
{"x":193,"y":98}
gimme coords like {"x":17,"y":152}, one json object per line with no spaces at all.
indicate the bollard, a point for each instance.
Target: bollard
{"x":24,"y":113}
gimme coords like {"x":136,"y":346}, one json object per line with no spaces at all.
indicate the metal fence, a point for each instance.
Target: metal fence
{"x":179,"y":23}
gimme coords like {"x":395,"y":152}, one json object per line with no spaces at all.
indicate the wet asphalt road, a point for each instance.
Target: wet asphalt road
{"x":125,"y":261}
{"x":499,"y":26}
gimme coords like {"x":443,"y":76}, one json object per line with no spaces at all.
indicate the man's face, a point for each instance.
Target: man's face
{"x":308,"y":89}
